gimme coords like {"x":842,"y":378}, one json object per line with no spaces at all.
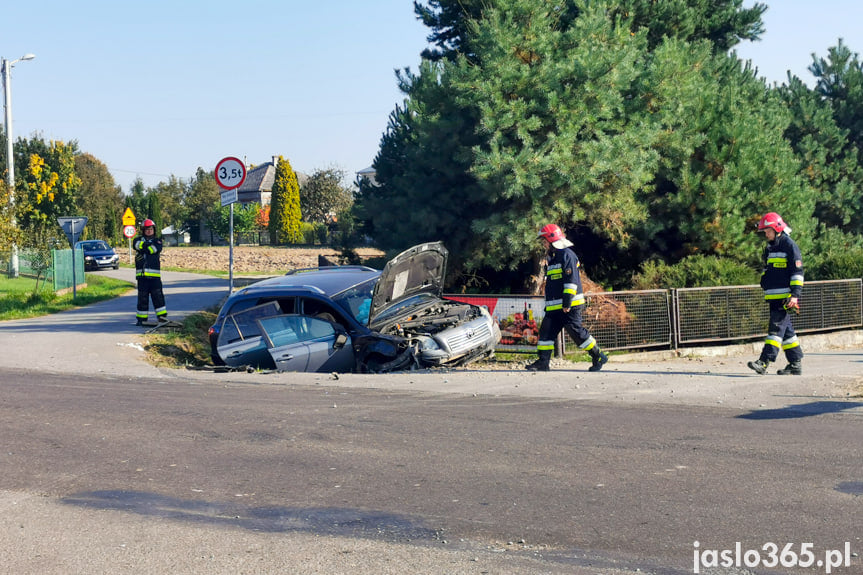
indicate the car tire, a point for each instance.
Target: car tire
{"x":379,"y":364}
{"x":117,"y":266}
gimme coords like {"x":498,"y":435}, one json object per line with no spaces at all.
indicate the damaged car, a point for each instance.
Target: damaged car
{"x":354,"y":319}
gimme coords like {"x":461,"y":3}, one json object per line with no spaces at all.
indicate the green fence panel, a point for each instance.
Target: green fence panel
{"x":63,"y":274}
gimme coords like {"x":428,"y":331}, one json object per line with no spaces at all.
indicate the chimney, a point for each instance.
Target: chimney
{"x":275,"y":161}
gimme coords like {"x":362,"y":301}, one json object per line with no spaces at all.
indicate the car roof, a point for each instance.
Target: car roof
{"x":328,"y":280}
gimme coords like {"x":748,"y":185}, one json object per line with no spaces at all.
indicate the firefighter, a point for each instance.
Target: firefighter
{"x":564,"y":301}
{"x":782,"y":282}
{"x":148,"y":248}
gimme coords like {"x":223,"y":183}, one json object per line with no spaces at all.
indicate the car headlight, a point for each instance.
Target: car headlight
{"x":429,"y":344}
{"x":88,"y":258}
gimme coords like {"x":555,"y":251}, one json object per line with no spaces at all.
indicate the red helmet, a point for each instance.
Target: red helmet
{"x":148,"y":223}
{"x":551,"y":232}
{"x":772,"y":220}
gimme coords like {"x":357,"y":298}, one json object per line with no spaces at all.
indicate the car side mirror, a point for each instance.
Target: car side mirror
{"x":341,"y":340}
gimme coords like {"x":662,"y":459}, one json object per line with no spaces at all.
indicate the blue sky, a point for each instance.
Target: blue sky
{"x":159,"y":88}
{"x":795,"y":29}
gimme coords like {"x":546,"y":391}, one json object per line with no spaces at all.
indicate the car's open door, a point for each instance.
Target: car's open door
{"x":304,"y":343}
{"x":240,"y":342}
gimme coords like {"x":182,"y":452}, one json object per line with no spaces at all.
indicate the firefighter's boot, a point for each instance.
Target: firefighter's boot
{"x":541,"y":364}
{"x":793,"y":368}
{"x":598,"y":359}
{"x":139,"y":322}
{"x":758,"y":366}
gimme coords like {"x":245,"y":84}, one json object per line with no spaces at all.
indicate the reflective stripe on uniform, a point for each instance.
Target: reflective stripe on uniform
{"x":588,"y":344}
{"x":773,"y":340}
{"x":790,"y":342}
{"x":780,"y":293}
{"x":545,"y":345}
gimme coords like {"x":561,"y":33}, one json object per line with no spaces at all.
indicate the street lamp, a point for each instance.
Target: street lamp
{"x":6,"y":68}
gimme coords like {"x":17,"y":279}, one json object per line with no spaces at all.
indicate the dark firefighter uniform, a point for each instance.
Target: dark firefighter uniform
{"x":149,"y":275}
{"x":563,"y":291}
{"x":781,"y":279}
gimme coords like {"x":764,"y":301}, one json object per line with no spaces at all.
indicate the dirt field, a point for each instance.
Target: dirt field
{"x":250,"y":259}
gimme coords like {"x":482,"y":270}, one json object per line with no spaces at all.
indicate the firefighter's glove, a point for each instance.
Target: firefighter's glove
{"x":792,"y":305}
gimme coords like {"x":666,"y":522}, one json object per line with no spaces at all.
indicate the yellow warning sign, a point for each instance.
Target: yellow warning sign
{"x":128,"y":217}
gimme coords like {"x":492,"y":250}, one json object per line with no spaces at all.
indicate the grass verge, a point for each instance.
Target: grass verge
{"x":22,"y":298}
{"x":186,"y":346}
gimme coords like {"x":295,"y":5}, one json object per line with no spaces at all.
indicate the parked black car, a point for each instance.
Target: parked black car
{"x":98,"y":255}
{"x":353,"y":318}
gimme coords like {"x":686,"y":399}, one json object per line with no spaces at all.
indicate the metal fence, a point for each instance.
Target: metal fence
{"x":62,"y":272}
{"x":671,"y":318}
{"x":739,"y":312}
{"x":30,"y":262}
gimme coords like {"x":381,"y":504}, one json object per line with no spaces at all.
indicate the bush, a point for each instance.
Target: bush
{"x":694,"y":271}
{"x":836,"y":265}
{"x":836,"y":256}
{"x":309,"y":232}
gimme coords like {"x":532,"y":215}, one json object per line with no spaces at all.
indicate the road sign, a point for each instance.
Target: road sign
{"x":128,"y":218}
{"x":129,"y":231}
{"x":72,"y":226}
{"x":229,"y":197}
{"x":230,"y":173}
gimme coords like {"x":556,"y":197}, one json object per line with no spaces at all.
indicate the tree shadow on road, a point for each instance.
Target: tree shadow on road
{"x":337,"y":521}
{"x":802,"y":410}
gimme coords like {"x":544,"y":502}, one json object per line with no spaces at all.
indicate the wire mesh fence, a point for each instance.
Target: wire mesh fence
{"x":719,"y":313}
{"x":670,"y":318}
{"x":628,"y":319}
{"x":31,"y":262}
{"x":740,"y":312}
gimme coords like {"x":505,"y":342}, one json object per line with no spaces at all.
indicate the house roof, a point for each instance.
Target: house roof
{"x":261,"y":178}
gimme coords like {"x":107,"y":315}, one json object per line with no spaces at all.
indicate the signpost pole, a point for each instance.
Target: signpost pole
{"x":129,"y":230}
{"x":231,"y":253}
{"x":230,"y":174}
{"x":74,"y":279}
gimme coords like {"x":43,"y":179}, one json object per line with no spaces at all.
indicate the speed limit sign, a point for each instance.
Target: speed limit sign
{"x":129,"y":231}
{"x":230,"y":173}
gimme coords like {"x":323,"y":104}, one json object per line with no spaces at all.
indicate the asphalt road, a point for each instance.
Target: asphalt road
{"x":112,"y":466}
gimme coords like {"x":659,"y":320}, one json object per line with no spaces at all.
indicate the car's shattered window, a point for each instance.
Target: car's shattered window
{"x":357,"y":300}
{"x":242,"y":325}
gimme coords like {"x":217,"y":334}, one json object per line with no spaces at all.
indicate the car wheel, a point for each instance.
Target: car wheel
{"x":117,"y":266}
{"x":380,"y":364}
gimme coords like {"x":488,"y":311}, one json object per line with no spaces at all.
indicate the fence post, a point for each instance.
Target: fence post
{"x":674,"y":320}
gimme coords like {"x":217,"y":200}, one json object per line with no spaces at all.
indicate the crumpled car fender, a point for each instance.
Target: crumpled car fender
{"x":380,"y":355}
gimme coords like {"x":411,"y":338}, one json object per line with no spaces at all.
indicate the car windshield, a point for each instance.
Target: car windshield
{"x":357,"y":300}
{"x":92,"y":246}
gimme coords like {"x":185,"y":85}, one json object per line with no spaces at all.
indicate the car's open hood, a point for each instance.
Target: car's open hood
{"x":420,"y":269}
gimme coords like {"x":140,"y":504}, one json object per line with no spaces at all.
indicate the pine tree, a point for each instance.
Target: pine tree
{"x":154,"y":210}
{"x":624,"y":121}
{"x":827,"y":133}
